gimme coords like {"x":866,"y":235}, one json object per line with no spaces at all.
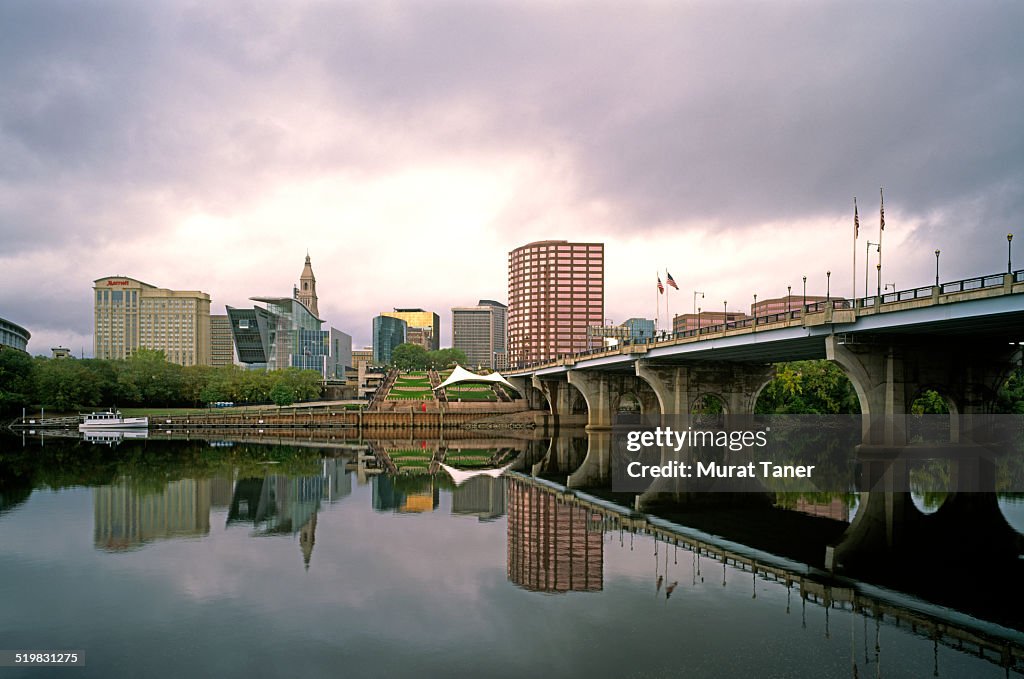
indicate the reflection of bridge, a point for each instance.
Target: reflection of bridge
{"x":954,"y":338}
{"x":580,"y":512}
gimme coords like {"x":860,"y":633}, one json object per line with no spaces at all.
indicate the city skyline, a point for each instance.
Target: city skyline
{"x":209,"y":149}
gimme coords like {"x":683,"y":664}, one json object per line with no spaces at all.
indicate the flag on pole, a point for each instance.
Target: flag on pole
{"x":856,"y":220}
{"x":661,"y":288}
{"x":669,"y":280}
{"x":882,"y":224}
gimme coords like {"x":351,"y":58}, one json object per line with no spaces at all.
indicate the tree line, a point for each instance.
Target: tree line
{"x":411,"y":356}
{"x":146,"y":379}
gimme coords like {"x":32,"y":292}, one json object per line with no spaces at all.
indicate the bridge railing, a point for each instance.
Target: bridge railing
{"x":710,"y":331}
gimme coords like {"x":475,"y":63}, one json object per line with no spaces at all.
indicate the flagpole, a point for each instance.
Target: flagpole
{"x":856,"y":229}
{"x":668,"y":316}
{"x":657,"y":306}
{"x":881,"y":228}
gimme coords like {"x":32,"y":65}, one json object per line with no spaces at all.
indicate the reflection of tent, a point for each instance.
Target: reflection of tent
{"x":460,"y":476}
{"x":461,"y":375}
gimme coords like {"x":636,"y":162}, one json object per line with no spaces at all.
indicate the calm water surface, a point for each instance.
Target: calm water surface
{"x":174,"y":559}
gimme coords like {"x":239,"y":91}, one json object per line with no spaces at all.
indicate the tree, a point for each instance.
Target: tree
{"x":281,"y":394}
{"x":817,"y":387}
{"x":16,"y":379}
{"x":447,"y":358}
{"x":409,"y":356}
{"x":65,"y":385}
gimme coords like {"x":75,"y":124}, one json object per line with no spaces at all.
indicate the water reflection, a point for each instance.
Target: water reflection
{"x":694,"y":569}
{"x":128,"y":515}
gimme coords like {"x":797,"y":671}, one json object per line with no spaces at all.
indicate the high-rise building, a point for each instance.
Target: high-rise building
{"x":480,"y":333}
{"x":307,"y":288}
{"x":422,"y":327}
{"x":222,"y":346}
{"x":555,"y":292}
{"x":129,"y":314}
{"x":388,"y":333}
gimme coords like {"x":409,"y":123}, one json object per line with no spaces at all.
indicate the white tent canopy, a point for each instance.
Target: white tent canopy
{"x":461,"y":375}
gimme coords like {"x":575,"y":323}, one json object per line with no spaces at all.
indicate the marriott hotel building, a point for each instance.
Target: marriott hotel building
{"x":555,"y":292}
{"x":129,"y":314}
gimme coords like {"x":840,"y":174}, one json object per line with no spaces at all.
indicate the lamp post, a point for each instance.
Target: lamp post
{"x":867,"y":254}
{"x":828,"y":287}
{"x":698,"y":322}
{"x":803,"y":307}
{"x":754,"y":309}
{"x":695,"y":293}
{"x":789,"y":293}
{"x":1009,"y":253}
{"x":878,"y":281}
{"x":937,"y":252}
{"x":725,"y":316}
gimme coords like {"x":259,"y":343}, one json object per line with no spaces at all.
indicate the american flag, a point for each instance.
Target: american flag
{"x":669,"y":280}
{"x":856,"y":220}
{"x":661,"y":288}
{"x":882,"y":226}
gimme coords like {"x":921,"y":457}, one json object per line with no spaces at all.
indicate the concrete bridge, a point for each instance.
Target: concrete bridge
{"x":959,"y":339}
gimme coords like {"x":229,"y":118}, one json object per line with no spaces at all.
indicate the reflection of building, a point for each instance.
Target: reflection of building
{"x":422,"y":327}
{"x":552,"y":545}
{"x":126,"y":516}
{"x":555,"y":292}
{"x":222,"y":348}
{"x":388,"y":333}
{"x":385,"y":496}
{"x":129,"y":315}
{"x":480,"y":333}
{"x":480,"y":496}
{"x":337,"y":481}
{"x":13,"y":335}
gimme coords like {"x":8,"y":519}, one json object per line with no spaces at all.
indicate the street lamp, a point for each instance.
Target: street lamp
{"x":867,"y":255}
{"x":1009,"y":252}
{"x":937,"y":252}
{"x":695,"y":293}
{"x":698,"y":322}
{"x":754,"y":309}
{"x":725,"y":316}
{"x":803,"y":307}
{"x":828,"y":286}
{"x":789,"y":291}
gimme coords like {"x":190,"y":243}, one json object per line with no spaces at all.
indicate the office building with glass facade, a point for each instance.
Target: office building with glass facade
{"x":129,"y":314}
{"x":422,"y":327}
{"x":285,"y":334}
{"x":480,"y":333}
{"x":388,"y":333}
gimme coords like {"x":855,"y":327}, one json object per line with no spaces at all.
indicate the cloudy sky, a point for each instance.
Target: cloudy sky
{"x":408,"y":146}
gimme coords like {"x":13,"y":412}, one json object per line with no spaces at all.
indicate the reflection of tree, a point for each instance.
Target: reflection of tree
{"x":150,"y":464}
{"x":930,"y":480}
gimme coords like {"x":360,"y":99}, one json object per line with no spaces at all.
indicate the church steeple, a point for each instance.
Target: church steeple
{"x":307,"y":287}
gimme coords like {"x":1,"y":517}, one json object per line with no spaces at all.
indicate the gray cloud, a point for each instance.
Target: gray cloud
{"x":715,"y":116}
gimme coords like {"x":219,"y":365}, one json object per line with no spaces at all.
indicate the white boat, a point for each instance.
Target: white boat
{"x":111,"y":419}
